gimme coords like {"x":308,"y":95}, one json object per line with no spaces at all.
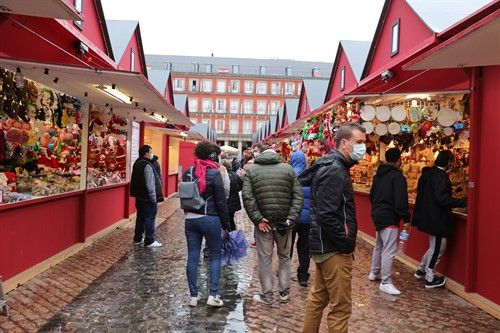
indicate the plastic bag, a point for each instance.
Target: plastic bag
{"x":234,"y":247}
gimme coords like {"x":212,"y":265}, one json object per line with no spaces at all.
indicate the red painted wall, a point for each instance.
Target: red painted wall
{"x":98,"y":218}
{"x":412,"y":32}
{"x":32,"y":233}
{"x":172,"y":184}
{"x":350,"y":79}
{"x":453,"y":261}
{"x":91,"y":26}
{"x":488,"y":217}
{"x":186,"y":154}
{"x":124,"y":62}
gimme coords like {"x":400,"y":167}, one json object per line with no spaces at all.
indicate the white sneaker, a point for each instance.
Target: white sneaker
{"x":214,"y":301}
{"x":260,"y":299}
{"x":155,"y":244}
{"x":373,"y":277}
{"x":138,"y":243}
{"x":389,"y":288}
{"x":193,"y":300}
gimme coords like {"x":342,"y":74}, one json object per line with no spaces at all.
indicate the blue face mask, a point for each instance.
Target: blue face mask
{"x":358,"y":152}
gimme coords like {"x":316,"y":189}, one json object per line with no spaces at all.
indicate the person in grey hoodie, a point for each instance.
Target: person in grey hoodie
{"x":146,"y":187}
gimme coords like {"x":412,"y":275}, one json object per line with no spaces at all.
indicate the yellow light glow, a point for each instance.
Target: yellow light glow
{"x":115,"y":93}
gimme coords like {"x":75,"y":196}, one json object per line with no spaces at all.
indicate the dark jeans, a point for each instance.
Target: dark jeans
{"x":302,"y":229}
{"x":145,"y":221}
{"x":232,"y":222}
{"x":209,"y":227}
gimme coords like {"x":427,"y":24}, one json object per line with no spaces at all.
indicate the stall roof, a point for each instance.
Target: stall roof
{"x":60,"y":9}
{"x":356,"y":52}
{"x":180,"y":102}
{"x":159,"y":79}
{"x":77,"y":81}
{"x":441,"y":14}
{"x":292,"y":109}
{"x":272,"y":121}
{"x":473,"y":46}
{"x":120,"y":32}
{"x":316,"y":91}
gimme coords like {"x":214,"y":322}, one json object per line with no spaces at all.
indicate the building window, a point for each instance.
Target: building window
{"x":395,"y":38}
{"x":261,"y":88}
{"x":207,"y":105}
{"x":274,"y":107}
{"x":342,"y":79}
{"x":233,"y":126}
{"x":206,"y":121}
{"x":316,"y":72}
{"x":235,"y":86}
{"x":221,"y":86}
{"x":208,"y":68}
{"x":261,"y":123}
{"x":288,"y":71}
{"x":247,"y":127}
{"x":261,"y":107}
{"x":179,"y":84}
{"x":248,"y":107}
{"x":168,"y":66}
{"x":262,"y":70}
{"x":235,"y":106}
{"x":235,"y":69}
{"x":289,"y":88}
{"x":132,"y":60}
{"x":79,"y":8}
{"x":221,"y":105}
{"x":207,"y":85}
{"x":275,"y":88}
{"x":193,"y":104}
{"x":196,"y":67}
{"x":249,"y":87}
{"x":194,"y":85}
{"x":299,"y":88}
{"x":219,"y":127}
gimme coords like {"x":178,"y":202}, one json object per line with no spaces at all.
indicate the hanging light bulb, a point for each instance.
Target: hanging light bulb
{"x":19,"y":78}
{"x":414,"y":103}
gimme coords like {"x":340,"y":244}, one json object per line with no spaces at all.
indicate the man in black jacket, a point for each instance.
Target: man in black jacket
{"x":389,"y":199}
{"x":145,"y":186}
{"x":333,"y":230}
{"x":432,"y":215}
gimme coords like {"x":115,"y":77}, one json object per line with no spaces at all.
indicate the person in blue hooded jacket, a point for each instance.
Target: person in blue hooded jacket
{"x":298,"y":163}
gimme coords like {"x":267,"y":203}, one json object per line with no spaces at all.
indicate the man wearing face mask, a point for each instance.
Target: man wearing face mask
{"x":432,"y":215}
{"x":333,"y":229}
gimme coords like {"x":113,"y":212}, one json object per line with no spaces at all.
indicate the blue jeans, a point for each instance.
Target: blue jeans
{"x":145,"y":221}
{"x":209,"y":227}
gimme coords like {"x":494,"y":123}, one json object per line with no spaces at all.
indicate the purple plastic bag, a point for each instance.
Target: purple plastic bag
{"x":234,"y":247}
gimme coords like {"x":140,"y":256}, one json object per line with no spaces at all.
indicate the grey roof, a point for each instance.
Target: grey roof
{"x":292,"y":109}
{"x":204,"y":130}
{"x":281,"y":113}
{"x":316,"y":92}
{"x":159,"y":78}
{"x":356,"y":52}
{"x":120,"y":32}
{"x":441,"y":14}
{"x":273,"y":67}
{"x":180,"y":102}
{"x":272,"y":120}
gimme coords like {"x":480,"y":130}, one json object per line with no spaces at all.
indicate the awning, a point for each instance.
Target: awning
{"x":141,"y":101}
{"x":60,"y":9}
{"x":477,"y":45}
{"x":188,"y":135}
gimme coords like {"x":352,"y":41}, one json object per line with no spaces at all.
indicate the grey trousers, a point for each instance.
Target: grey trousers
{"x":265,"y":246}
{"x":431,"y":258}
{"x":385,"y":248}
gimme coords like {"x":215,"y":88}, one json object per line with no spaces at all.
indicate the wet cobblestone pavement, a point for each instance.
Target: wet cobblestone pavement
{"x":113,"y":286}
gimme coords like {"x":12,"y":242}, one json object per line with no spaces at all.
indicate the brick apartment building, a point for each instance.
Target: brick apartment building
{"x":236,"y":96}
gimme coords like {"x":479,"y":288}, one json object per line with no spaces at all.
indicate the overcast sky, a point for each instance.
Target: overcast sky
{"x":287,"y":29}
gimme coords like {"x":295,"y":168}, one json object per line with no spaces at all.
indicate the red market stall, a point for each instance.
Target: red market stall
{"x":67,"y":148}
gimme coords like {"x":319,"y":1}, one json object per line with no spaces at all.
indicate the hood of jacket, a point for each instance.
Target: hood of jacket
{"x":154,"y":159}
{"x":298,"y":162}
{"x":385,"y":168}
{"x":268,"y":157}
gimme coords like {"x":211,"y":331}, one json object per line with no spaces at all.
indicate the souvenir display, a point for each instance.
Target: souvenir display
{"x":107,"y":149}
{"x":40,"y":140}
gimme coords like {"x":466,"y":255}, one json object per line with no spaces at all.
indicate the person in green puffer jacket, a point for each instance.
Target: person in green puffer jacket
{"x":273,"y":198}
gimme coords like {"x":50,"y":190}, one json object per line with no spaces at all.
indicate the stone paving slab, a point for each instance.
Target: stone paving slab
{"x":133,"y":289}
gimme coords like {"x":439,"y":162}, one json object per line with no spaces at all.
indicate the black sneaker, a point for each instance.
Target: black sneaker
{"x":419,"y":274}
{"x":436,"y":282}
{"x":303,"y":283}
